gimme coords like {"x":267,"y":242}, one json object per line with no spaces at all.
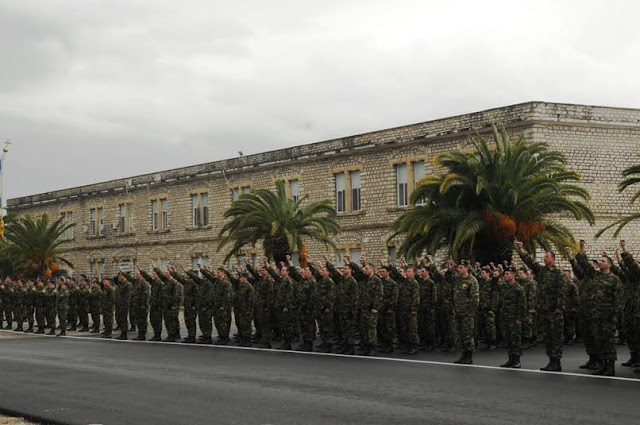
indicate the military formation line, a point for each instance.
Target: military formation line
{"x":375,"y":308}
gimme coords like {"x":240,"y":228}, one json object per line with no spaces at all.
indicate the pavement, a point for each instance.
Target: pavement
{"x":84,"y":380}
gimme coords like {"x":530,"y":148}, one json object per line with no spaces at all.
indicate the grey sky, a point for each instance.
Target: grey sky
{"x":95,"y":90}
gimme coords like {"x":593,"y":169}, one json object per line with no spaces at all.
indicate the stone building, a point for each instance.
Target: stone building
{"x":174,"y":216}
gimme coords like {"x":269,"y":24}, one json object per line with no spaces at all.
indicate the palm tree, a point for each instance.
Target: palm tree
{"x":279,"y":222}
{"x":632,"y":176}
{"x":31,"y":246}
{"x":488,"y":198}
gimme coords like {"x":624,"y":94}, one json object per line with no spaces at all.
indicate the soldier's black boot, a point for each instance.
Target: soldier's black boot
{"x":142,"y":336}
{"x":190,"y":339}
{"x":286,"y":345}
{"x":633,"y":360}
{"x":413,"y":349}
{"x":341,"y":349}
{"x":516,"y":362}
{"x":462,"y":358}
{"x":326,"y":348}
{"x":19,"y":328}
{"x":554,"y":365}
{"x":132,"y":328}
{"x":123,"y":336}
{"x":106,"y":334}
{"x":592,"y":360}
{"x":40,"y":331}
{"x":52,"y":331}
{"x":468,"y":358}
{"x":169,"y":338}
{"x":371,"y":350}
{"x":245,"y":341}
{"x":30,"y":330}
{"x":157,"y":336}
{"x":610,"y":368}
{"x":509,"y":362}
{"x":63,"y":332}
{"x":350,"y":350}
{"x":306,"y":346}
{"x":205,"y":340}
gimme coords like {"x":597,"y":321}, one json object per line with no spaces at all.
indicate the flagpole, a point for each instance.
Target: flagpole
{"x":3,"y":210}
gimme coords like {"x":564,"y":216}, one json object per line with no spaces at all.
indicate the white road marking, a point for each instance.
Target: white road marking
{"x":391,"y":359}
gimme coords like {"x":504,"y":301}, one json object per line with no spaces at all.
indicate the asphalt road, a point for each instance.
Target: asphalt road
{"x":89,"y":381}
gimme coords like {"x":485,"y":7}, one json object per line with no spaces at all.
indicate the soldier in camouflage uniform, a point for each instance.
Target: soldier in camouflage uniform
{"x":465,"y":301}
{"x":285,"y":304}
{"x":512,"y":313}
{"x":264,"y":304}
{"x":530,"y":287}
{"x":408,"y":306}
{"x":571,"y":306}
{"x":108,"y":306}
{"x":190,"y":302}
{"x":487,"y":309}
{"x":631,"y":310}
{"x":552,"y":293}
{"x":19,"y":294}
{"x":171,"y":297}
{"x":7,"y":301}
{"x":51,"y":297}
{"x":30,"y":304}
{"x":155,"y":303}
{"x":40,"y":306}
{"x":95,"y":304}
{"x":245,"y":309}
{"x":72,"y":318}
{"x":387,"y":316}
{"x":123,"y":301}
{"x":222,"y":303}
{"x":427,"y":312}
{"x":306,"y":304}
{"x":371,"y":304}
{"x":63,"y":308}
{"x":325,"y":310}
{"x":204,"y":305}
{"x":140,"y":295}
{"x":83,"y":305}
{"x":346,"y":305}
{"x":445,"y":313}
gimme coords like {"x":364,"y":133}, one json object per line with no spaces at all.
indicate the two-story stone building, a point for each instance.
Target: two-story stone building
{"x":175,"y":215}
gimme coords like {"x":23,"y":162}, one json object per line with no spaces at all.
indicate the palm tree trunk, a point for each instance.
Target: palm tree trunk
{"x":277,"y":249}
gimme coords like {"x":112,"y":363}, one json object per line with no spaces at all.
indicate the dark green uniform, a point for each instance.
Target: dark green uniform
{"x":204,"y":305}
{"x":371,"y":295}
{"x":155,"y":304}
{"x":108,"y":306}
{"x":466,"y":299}
{"x":346,"y":307}
{"x":40,"y":307}
{"x":487,"y":310}
{"x":427,"y":313}
{"x":529,"y":325}
{"x":263,"y":311}
{"x":244,"y":312}
{"x":83,"y":305}
{"x":387,"y":316}
{"x":326,"y":300}
{"x":571,"y":306}
{"x":631,"y":309}
{"x":7,"y":302}
{"x":19,"y":295}
{"x":95,"y":305}
{"x":123,"y":300}
{"x":285,"y":300}
{"x":63,"y":308}
{"x":512,"y":313}
{"x":72,"y":316}
{"x":407,"y":314}
{"x":50,"y":300}
{"x":190,"y":302}
{"x":30,"y":305}
{"x":171,"y":296}
{"x":140,"y":295}
{"x":306,"y":306}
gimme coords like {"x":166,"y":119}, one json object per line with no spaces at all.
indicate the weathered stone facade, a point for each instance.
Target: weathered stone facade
{"x":599,"y":142}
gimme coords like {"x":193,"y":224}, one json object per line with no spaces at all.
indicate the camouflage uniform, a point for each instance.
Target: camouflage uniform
{"x":204,"y":306}
{"x":306,"y":305}
{"x":83,"y":306}
{"x":529,"y":333}
{"x":7,"y":303}
{"x":72,"y":317}
{"x":108,"y":305}
{"x":388,"y":312}
{"x":327,"y":300}
{"x":222,"y":298}
{"x":30,"y":306}
{"x":63,"y":308}
{"x":579,"y":264}
{"x":285,"y":300}
{"x":244,"y":312}
{"x":19,"y":293}
{"x":445,"y":313}
{"x":407,"y":314}
{"x":155,"y":303}
{"x":371,"y":296}
{"x":465,"y":301}
{"x":631,"y":311}
{"x":123,"y":300}
{"x":190,"y":289}
{"x":263,"y":311}
{"x":512,"y":313}
{"x":40,"y":307}
{"x":571,"y":306}
{"x":140,"y":295}
{"x":427,"y":312}
{"x":346,"y":307}
{"x":552,"y":286}
{"x":171,"y":296}
{"x":95,"y":304}
{"x":50,"y":300}
{"x":487,"y":310}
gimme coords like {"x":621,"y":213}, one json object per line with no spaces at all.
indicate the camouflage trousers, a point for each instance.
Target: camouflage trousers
{"x":133,"y":314}
{"x":387,"y":327}
{"x":529,"y":326}
{"x":407,"y":327}
{"x":221,"y":318}
{"x":287,"y":325}
{"x":552,"y":329}
{"x":629,"y":328}
{"x":7,"y":307}
{"x":427,"y":326}
{"x":512,"y":336}
{"x":18,"y":313}
{"x":107,"y":319}
{"x":190,"y":316}
{"x":243,"y":317}
{"x":327,"y":327}
{"x":50,"y":314}
{"x":122,"y":318}
{"x":369,"y":327}
{"x":570,"y":317}
{"x":464,"y":324}
{"x":72,"y":316}
{"x":486,"y":326}
{"x":604,"y":337}
{"x":95,"y":317}
{"x":587,"y":333}
{"x":205,"y":317}
{"x":41,"y":317}
{"x":141,"y":315}
{"x":171,"y":321}
{"x":307,"y":325}
{"x":155,"y":318}
{"x":346,"y":327}
{"x":63,"y":315}
{"x":29,"y":311}
{"x":446,"y":328}
{"x":83,"y":316}
{"x":263,"y":323}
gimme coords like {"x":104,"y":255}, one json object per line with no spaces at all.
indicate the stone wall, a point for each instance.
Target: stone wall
{"x":599,"y":142}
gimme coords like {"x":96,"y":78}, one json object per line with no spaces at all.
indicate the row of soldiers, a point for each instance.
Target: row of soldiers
{"x":415,"y":306}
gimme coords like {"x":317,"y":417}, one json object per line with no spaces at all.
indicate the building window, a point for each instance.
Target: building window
{"x":355,"y":191}
{"x":340,"y":256}
{"x":126,"y":218}
{"x":340,"y":193}
{"x":393,"y":253}
{"x":97,"y":268}
{"x":199,"y":260}
{"x":200,"y":209}
{"x":237,"y":191}
{"x":97,"y":221}
{"x":159,"y":214}
{"x":67,"y":219}
{"x":246,"y":190}
{"x":402,"y":185}
{"x":295,"y":258}
{"x":295,"y":190}
{"x":418,"y":174}
{"x":356,"y":254}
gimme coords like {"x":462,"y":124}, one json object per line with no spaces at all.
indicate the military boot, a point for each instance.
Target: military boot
{"x":462,"y":359}
{"x":592,"y":360}
{"x":306,"y":346}
{"x":132,"y":328}
{"x":63,"y":332}
{"x":245,"y":342}
{"x":95,"y":331}
{"x":142,"y":336}
{"x":106,"y":334}
{"x":413,"y":349}
{"x":30,"y":330}
{"x":326,"y":348}
{"x":553,"y":366}
{"x":72,"y":327}
{"x":371,"y":350}
{"x":610,"y":368}
{"x":18,"y":329}
{"x":123,"y":336}
{"x":190,"y":339}
{"x":286,"y":345}
{"x":205,"y":340}
{"x":157,"y":336}
{"x":350,"y":350}
{"x":633,"y":360}
{"x":52,"y":331}
{"x":509,"y":362}
{"x":516,"y":362}
{"x":40,"y":331}
{"x":341,"y":349}
{"x":468,"y":358}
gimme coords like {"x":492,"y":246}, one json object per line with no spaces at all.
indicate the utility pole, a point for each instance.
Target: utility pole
{"x":3,"y":210}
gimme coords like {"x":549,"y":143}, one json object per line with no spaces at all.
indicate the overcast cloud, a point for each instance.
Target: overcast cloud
{"x":97,"y":90}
